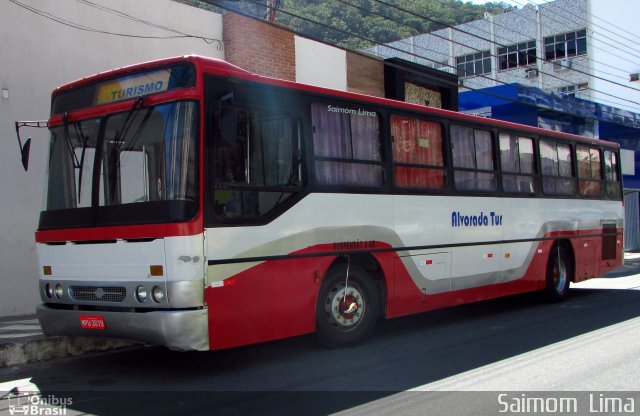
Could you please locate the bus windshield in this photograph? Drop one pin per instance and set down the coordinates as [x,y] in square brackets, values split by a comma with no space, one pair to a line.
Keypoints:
[145,159]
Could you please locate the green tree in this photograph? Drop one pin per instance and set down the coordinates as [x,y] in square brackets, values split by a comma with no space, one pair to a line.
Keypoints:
[358,24]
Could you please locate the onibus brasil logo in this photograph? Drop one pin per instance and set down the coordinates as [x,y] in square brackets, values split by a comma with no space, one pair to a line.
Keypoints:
[35,404]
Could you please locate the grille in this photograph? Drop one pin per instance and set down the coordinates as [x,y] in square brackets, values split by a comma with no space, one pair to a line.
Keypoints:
[100,294]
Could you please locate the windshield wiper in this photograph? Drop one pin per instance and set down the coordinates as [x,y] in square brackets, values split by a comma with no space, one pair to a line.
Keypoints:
[128,122]
[69,143]
[85,140]
[77,163]
[120,140]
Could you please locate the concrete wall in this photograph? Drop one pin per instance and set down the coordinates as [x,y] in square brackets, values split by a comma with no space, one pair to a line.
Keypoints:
[320,64]
[38,54]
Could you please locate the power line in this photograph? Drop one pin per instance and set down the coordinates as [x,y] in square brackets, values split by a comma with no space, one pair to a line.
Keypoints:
[537,58]
[625,77]
[78,26]
[568,20]
[306,19]
[449,40]
[627,45]
[478,50]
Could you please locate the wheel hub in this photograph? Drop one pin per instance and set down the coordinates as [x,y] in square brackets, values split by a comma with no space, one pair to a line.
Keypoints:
[345,306]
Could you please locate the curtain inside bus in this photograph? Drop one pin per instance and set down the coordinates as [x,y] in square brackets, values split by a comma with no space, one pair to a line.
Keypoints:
[417,150]
[347,146]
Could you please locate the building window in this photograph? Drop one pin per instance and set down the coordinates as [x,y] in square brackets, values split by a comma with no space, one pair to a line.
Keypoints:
[513,56]
[473,162]
[565,45]
[417,153]
[438,64]
[557,168]
[518,164]
[346,143]
[474,64]
[589,171]
[571,90]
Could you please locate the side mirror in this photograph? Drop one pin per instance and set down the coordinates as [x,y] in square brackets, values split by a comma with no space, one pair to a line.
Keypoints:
[24,153]
[25,148]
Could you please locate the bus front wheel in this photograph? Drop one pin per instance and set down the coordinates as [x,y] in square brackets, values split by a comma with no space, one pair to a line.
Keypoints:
[559,272]
[347,308]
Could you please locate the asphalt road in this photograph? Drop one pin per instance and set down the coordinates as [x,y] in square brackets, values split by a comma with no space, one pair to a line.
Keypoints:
[414,365]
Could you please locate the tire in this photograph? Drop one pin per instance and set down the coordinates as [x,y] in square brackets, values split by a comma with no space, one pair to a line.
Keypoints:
[559,274]
[341,323]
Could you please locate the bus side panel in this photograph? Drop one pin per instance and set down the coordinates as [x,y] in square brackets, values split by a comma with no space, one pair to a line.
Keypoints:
[587,249]
[591,257]
[612,255]
[271,300]
[409,298]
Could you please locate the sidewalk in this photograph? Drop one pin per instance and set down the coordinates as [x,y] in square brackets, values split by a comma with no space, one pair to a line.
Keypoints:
[22,340]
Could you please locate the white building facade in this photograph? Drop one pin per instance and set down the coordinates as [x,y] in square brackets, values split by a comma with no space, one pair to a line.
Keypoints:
[36,55]
[39,53]
[583,48]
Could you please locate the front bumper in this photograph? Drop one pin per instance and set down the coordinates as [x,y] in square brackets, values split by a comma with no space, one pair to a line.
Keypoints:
[176,329]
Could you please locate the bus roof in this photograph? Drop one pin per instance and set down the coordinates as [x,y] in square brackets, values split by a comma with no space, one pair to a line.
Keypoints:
[224,68]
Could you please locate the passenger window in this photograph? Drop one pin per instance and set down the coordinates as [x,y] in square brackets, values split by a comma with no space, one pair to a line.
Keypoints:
[473,162]
[346,144]
[417,153]
[611,174]
[589,171]
[557,168]
[518,164]
[259,168]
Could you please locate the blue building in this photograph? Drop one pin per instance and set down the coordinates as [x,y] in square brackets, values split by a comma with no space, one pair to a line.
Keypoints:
[562,112]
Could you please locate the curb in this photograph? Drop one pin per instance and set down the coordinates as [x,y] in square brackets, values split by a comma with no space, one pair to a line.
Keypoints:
[19,353]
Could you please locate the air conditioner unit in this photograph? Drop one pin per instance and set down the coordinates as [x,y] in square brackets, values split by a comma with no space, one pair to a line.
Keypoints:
[634,77]
[531,73]
[562,65]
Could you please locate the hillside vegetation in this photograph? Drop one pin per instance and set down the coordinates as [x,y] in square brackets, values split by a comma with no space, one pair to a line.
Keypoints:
[373,21]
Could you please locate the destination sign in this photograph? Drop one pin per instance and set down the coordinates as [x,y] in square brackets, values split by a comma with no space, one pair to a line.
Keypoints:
[125,87]
[134,86]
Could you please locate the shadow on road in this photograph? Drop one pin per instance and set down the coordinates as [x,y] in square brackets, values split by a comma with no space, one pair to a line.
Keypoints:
[297,375]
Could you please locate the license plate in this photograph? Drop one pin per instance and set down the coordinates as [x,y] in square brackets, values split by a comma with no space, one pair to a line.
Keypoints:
[92,322]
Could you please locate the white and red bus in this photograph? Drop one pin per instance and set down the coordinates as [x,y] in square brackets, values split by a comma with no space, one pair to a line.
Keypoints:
[194,205]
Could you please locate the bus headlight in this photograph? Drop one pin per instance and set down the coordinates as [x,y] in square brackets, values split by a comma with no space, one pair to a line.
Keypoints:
[141,294]
[59,291]
[48,291]
[157,294]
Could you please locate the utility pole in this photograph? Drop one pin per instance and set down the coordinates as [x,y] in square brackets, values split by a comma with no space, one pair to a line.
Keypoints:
[272,6]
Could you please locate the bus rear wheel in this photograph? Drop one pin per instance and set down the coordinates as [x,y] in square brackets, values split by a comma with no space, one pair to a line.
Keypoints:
[347,307]
[559,273]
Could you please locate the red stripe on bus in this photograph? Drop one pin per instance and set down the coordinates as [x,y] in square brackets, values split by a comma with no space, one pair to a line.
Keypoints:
[277,299]
[120,232]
